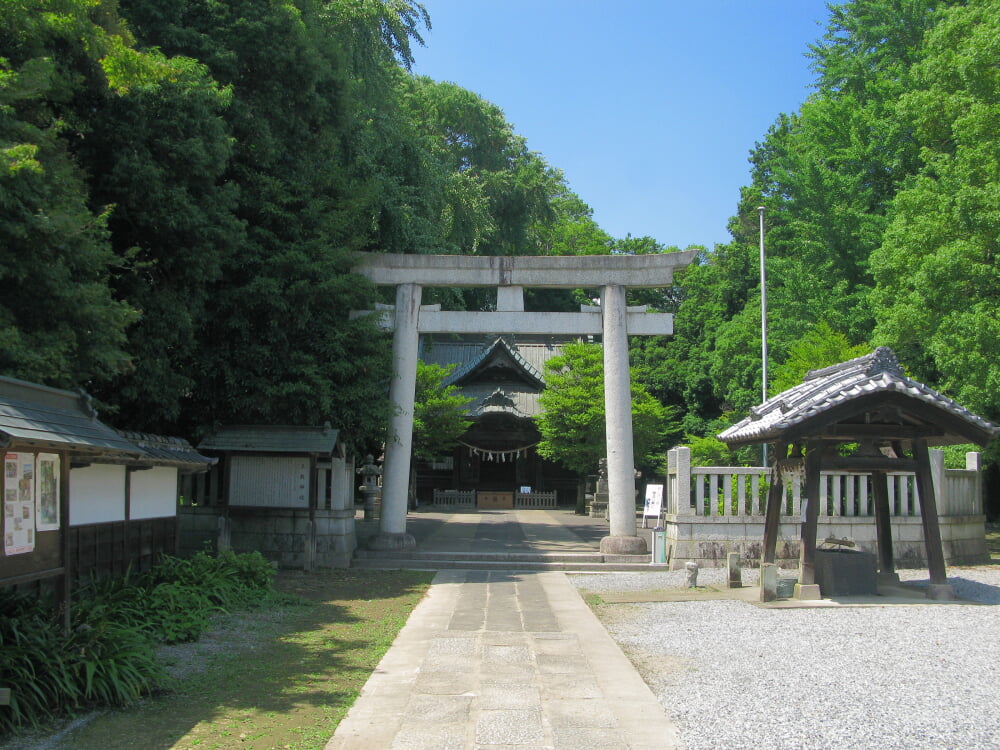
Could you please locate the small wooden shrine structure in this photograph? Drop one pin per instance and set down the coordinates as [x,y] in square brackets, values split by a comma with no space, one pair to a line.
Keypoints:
[866,401]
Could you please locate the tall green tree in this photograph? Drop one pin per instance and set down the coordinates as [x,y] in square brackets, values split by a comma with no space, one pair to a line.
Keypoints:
[938,268]
[59,321]
[275,342]
[572,422]
[439,413]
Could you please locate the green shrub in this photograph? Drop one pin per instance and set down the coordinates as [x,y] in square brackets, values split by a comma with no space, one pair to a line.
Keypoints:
[112,664]
[109,655]
[32,650]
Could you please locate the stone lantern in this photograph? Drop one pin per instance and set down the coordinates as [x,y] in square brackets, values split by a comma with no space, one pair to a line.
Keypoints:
[370,490]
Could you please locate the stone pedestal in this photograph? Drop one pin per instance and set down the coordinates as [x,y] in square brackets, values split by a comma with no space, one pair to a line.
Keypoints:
[808,592]
[372,504]
[768,582]
[390,542]
[624,545]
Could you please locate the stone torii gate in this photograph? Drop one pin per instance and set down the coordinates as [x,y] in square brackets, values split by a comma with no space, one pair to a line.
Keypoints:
[612,320]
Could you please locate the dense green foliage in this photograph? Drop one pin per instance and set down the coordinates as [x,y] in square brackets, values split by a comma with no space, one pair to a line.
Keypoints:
[572,422]
[108,657]
[182,186]
[439,413]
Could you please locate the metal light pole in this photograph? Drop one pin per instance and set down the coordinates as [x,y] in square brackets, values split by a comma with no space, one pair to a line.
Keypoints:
[763,324]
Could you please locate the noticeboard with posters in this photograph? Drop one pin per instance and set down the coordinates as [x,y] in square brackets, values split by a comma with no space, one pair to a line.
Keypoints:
[30,499]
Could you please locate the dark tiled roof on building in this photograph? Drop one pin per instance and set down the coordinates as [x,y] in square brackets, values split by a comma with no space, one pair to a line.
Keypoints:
[273,439]
[39,417]
[168,451]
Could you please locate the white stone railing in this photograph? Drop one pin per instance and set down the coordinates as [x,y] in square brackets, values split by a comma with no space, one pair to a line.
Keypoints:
[463,498]
[538,500]
[721,491]
[712,511]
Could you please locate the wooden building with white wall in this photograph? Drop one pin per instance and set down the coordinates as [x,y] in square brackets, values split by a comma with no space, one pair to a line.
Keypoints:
[285,491]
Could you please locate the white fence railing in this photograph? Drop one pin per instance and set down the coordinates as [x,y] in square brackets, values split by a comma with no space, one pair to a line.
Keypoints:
[720,491]
[461,498]
[535,500]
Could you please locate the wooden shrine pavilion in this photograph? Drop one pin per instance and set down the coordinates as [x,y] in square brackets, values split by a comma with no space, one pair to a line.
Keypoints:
[892,419]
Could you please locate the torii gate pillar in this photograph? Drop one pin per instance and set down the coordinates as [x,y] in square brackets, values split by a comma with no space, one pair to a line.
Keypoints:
[613,320]
[618,428]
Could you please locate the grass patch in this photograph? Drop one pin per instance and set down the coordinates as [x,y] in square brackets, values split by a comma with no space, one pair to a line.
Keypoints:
[593,600]
[285,676]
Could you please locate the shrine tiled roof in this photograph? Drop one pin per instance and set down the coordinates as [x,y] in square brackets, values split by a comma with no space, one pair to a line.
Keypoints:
[40,417]
[273,439]
[160,450]
[824,390]
[499,346]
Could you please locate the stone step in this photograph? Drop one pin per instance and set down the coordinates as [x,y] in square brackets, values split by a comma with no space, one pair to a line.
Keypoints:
[520,556]
[567,561]
[404,564]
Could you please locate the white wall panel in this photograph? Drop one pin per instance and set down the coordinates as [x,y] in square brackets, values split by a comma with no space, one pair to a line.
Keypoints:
[97,494]
[154,493]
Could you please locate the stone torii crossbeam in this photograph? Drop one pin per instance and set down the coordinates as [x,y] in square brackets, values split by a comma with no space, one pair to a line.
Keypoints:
[612,320]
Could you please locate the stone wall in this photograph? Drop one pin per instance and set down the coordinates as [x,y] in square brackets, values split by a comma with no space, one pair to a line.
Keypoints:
[707,541]
[286,536]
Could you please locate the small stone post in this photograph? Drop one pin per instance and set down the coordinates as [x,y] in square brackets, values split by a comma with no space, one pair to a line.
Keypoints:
[692,573]
[599,505]
[733,565]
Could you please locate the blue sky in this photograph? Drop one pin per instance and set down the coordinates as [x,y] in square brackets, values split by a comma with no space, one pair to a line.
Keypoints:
[649,107]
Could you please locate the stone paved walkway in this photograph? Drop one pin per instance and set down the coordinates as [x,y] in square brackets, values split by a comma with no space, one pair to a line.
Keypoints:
[492,660]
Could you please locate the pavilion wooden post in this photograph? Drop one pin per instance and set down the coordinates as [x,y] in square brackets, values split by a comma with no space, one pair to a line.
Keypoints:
[939,587]
[883,528]
[807,588]
[772,519]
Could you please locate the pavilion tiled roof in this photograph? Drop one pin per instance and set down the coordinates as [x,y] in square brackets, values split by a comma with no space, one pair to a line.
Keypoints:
[822,391]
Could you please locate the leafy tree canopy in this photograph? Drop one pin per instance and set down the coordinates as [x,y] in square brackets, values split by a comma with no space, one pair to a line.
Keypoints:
[572,423]
[439,413]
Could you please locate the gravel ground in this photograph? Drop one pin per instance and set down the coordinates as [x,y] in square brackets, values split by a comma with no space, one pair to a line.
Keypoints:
[734,676]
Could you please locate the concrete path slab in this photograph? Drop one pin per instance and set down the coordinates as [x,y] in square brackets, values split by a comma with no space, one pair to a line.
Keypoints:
[491,660]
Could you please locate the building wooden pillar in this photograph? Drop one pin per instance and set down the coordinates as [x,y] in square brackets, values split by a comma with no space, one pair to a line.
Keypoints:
[807,588]
[65,585]
[939,587]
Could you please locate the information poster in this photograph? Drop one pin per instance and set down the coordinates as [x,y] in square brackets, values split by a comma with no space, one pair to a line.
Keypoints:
[47,493]
[18,503]
[654,502]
